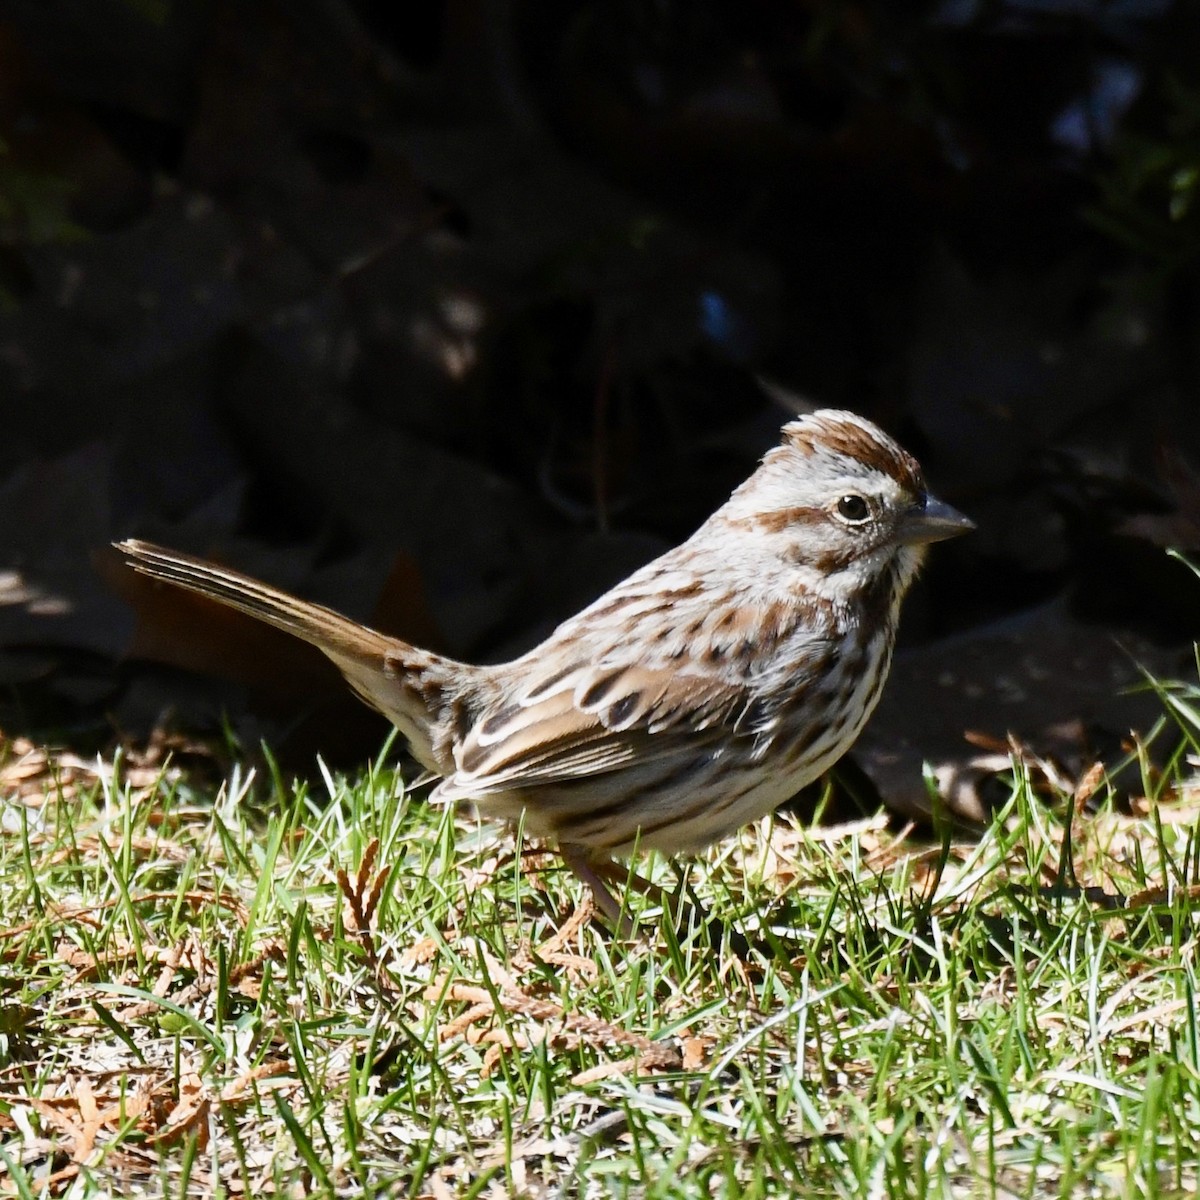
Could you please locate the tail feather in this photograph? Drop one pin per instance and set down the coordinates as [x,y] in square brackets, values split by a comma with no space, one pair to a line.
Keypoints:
[408,685]
[314,623]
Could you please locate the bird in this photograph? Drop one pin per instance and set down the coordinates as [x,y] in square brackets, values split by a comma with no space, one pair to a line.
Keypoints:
[690,699]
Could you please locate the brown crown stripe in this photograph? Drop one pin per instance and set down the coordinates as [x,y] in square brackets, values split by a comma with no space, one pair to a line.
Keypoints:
[845,437]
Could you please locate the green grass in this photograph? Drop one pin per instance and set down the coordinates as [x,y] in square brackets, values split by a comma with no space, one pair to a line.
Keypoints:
[346,991]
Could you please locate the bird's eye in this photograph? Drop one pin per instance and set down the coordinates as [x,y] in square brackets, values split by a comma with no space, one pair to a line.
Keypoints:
[853,509]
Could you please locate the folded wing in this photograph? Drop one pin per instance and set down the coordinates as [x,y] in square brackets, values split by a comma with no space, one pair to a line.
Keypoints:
[588,720]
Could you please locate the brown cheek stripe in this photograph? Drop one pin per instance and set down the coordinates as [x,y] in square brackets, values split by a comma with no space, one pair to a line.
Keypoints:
[789,518]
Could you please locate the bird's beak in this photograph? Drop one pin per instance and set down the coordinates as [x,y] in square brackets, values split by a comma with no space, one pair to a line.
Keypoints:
[932,520]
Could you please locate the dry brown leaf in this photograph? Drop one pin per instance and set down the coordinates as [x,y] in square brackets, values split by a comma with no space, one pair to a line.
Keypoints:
[189,1115]
[240,1088]
[1085,789]
[84,1125]
[420,952]
[695,1052]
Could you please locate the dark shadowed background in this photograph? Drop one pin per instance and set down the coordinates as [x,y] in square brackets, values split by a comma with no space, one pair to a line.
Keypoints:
[451,314]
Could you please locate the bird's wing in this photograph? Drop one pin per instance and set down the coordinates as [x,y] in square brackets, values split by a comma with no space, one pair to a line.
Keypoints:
[591,719]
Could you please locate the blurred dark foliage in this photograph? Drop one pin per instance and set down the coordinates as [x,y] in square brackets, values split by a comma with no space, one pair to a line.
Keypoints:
[499,297]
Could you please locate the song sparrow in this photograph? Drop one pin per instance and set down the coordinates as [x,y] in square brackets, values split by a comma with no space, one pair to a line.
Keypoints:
[694,697]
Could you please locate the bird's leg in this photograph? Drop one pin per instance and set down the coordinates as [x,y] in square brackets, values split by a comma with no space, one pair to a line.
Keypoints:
[593,872]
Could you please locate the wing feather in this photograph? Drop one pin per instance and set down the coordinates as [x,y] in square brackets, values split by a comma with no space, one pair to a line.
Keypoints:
[590,721]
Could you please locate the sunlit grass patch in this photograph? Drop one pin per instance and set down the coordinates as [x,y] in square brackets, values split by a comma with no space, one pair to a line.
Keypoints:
[343,990]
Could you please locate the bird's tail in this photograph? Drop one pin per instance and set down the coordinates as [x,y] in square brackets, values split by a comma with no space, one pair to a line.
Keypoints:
[408,685]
